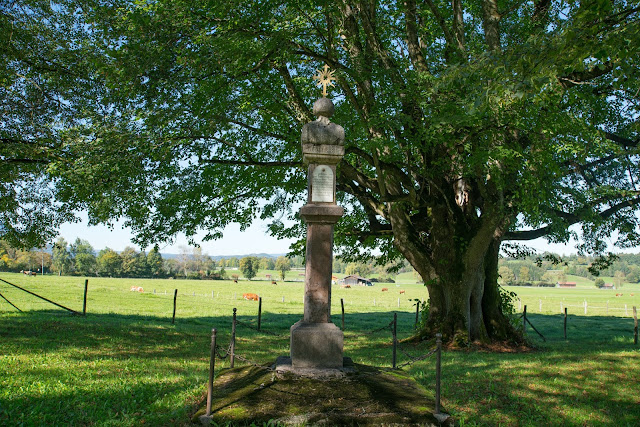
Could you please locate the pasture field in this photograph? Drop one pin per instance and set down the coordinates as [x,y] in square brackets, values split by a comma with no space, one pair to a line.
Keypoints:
[126,364]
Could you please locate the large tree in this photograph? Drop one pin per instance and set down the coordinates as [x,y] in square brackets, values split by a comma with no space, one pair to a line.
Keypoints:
[468,124]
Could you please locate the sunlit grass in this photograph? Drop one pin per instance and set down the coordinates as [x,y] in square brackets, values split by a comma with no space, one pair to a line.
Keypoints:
[126,364]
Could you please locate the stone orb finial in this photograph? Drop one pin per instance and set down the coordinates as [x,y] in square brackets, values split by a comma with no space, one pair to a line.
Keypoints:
[323,107]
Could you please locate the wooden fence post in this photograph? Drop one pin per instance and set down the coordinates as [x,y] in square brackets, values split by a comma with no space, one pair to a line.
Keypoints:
[175,297]
[212,365]
[84,303]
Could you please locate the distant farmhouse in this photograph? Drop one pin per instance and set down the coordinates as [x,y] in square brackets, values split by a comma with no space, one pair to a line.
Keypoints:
[566,284]
[354,280]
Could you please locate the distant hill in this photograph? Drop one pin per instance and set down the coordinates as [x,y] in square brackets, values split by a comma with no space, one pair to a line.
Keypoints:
[219,257]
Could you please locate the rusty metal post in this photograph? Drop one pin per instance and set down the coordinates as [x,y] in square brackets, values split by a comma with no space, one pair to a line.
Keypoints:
[438,370]
[84,303]
[259,312]
[395,339]
[212,365]
[233,338]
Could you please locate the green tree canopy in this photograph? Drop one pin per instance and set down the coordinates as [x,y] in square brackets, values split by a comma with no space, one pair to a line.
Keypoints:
[283,264]
[83,256]
[109,263]
[155,263]
[249,266]
[61,256]
[468,125]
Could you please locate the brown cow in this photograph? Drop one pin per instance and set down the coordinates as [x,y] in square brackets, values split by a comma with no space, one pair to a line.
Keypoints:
[385,289]
[345,286]
[273,282]
[401,292]
[250,297]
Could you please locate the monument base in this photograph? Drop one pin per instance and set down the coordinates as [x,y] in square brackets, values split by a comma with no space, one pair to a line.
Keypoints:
[316,345]
[283,368]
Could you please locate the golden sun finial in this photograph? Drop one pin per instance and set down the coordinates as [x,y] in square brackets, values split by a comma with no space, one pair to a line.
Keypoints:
[325,78]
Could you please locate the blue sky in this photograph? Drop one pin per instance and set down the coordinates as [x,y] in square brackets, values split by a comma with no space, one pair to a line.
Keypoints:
[253,240]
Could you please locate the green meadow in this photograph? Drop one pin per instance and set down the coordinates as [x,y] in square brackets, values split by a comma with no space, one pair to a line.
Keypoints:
[125,363]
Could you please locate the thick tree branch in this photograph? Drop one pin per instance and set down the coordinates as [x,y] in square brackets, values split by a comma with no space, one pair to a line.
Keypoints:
[298,103]
[413,44]
[570,219]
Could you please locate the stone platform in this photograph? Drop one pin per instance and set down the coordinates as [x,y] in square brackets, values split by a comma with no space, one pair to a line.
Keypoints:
[283,367]
[366,397]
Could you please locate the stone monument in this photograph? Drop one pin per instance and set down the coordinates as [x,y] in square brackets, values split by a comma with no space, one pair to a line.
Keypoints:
[316,343]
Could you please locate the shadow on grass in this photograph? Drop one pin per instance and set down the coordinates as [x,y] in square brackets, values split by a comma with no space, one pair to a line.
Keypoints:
[61,369]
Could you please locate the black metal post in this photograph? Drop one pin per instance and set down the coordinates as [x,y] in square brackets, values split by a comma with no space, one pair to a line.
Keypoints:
[233,338]
[524,320]
[84,304]
[417,313]
[635,328]
[342,305]
[175,297]
[212,366]
[395,338]
[438,370]
[259,312]
[565,323]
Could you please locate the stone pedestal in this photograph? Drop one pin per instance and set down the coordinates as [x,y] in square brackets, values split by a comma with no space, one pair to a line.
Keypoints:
[316,345]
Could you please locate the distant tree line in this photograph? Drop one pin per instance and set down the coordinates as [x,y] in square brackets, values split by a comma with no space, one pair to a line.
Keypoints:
[550,270]
[80,258]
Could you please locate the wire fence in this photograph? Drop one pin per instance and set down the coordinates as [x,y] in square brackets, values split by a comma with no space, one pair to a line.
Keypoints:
[220,353]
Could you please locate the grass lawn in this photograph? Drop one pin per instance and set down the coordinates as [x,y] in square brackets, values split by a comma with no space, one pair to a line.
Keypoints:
[126,364]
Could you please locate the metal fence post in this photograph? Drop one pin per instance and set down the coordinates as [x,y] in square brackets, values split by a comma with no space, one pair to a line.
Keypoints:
[233,338]
[565,323]
[212,365]
[635,327]
[438,370]
[342,305]
[259,312]
[175,297]
[395,339]
[417,313]
[84,303]
[524,319]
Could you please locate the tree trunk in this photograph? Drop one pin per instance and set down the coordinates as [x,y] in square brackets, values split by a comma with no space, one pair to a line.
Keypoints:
[460,271]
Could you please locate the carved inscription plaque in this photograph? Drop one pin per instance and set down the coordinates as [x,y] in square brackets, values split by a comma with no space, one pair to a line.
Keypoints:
[322,184]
